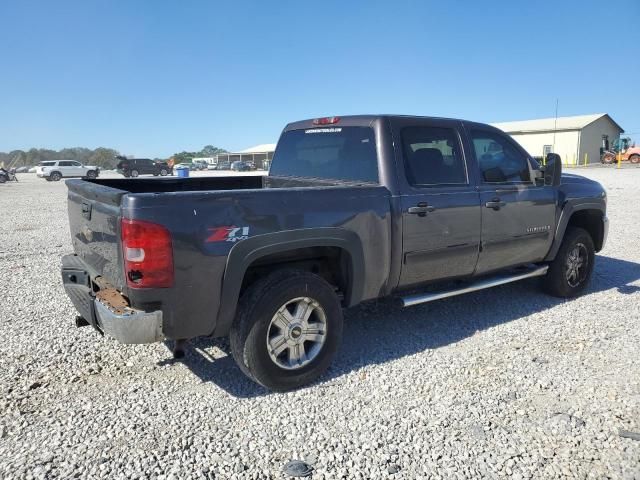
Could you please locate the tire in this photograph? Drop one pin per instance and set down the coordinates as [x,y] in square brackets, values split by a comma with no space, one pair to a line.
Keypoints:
[3,179]
[164,172]
[92,174]
[55,176]
[634,158]
[559,282]
[134,173]
[608,159]
[257,321]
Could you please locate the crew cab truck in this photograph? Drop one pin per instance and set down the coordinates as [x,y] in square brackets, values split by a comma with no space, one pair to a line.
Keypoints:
[353,209]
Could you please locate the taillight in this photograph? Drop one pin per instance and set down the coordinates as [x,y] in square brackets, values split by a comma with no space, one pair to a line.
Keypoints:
[148,254]
[326,120]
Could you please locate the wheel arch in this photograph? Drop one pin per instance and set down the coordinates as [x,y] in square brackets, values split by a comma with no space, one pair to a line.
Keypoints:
[284,248]
[588,216]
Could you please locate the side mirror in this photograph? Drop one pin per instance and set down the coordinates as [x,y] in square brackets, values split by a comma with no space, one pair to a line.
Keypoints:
[552,169]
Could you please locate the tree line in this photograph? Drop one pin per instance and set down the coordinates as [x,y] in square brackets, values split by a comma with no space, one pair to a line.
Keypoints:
[104,158]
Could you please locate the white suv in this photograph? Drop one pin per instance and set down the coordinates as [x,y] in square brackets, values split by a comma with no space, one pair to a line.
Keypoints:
[54,170]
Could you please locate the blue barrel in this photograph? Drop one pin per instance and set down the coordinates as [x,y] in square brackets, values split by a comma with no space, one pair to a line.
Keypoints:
[183,172]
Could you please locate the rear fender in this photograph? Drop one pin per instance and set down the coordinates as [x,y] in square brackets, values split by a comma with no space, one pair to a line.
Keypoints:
[246,252]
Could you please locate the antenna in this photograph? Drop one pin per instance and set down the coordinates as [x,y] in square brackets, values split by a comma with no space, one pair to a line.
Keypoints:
[555,127]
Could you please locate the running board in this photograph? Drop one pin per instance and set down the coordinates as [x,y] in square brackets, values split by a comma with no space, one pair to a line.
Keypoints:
[489,282]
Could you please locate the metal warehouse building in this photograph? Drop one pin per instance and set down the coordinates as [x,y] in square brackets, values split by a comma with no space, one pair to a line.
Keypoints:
[576,139]
[260,155]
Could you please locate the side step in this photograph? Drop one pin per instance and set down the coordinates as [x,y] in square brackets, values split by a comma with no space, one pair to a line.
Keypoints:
[489,282]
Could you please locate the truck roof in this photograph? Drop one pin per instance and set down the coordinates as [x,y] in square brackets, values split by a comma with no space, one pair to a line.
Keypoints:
[367,120]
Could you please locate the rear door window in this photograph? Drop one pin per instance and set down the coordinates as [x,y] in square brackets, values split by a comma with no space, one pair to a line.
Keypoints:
[433,156]
[340,153]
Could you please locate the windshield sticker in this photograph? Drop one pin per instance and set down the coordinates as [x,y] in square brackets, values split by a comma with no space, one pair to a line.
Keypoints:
[324,130]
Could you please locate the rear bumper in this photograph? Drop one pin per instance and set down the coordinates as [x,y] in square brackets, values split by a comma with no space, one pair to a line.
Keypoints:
[106,309]
[130,326]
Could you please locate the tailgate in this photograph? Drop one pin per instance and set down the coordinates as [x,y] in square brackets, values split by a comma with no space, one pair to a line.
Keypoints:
[94,217]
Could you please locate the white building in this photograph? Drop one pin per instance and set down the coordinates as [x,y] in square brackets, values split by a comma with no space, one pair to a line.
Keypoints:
[576,139]
[260,155]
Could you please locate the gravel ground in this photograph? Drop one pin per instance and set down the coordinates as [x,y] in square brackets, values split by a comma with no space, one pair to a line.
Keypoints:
[502,383]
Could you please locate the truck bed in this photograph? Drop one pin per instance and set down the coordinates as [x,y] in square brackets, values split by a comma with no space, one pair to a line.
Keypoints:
[205,184]
[196,210]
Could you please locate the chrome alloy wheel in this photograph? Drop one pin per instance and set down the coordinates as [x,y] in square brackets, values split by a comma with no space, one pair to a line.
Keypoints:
[296,333]
[576,267]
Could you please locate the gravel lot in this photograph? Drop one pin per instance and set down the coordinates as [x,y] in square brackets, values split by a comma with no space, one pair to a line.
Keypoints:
[502,383]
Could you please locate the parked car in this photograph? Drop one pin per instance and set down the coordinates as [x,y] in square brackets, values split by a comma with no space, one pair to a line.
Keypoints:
[22,169]
[199,165]
[212,166]
[240,166]
[133,167]
[223,165]
[55,170]
[353,209]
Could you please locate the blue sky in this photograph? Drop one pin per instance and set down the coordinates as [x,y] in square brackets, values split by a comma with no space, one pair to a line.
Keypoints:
[151,78]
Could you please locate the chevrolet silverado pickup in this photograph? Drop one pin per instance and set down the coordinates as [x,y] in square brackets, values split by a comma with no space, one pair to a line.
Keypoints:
[354,208]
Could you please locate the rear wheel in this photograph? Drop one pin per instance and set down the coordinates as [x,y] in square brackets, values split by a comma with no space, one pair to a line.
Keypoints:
[570,272]
[55,176]
[634,158]
[164,172]
[3,179]
[134,173]
[287,330]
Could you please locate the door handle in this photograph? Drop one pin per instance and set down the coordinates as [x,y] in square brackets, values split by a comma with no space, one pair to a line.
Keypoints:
[495,203]
[421,209]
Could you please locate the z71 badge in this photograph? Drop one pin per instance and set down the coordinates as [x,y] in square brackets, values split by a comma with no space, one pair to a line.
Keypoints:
[227,234]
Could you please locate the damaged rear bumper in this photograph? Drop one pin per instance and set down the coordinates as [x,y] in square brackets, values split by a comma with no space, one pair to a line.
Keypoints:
[105,308]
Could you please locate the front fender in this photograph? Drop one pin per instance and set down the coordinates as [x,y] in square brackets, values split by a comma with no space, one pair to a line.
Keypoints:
[568,209]
[244,253]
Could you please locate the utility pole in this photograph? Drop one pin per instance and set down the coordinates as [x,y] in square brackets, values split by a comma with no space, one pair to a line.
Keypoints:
[555,127]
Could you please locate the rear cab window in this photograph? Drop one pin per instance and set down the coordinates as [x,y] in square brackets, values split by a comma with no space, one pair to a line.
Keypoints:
[46,164]
[337,153]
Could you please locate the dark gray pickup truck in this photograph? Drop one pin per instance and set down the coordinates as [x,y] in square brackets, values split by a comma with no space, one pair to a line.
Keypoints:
[353,209]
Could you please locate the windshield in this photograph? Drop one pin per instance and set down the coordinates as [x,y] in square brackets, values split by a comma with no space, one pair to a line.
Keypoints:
[341,153]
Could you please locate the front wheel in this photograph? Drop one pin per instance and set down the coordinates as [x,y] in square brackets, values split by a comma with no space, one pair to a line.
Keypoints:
[92,174]
[287,330]
[134,173]
[164,172]
[608,158]
[569,273]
